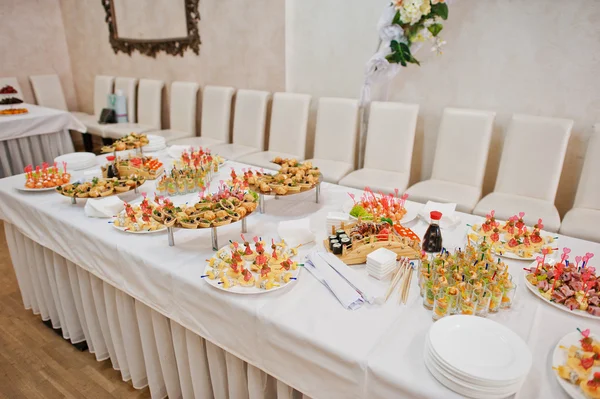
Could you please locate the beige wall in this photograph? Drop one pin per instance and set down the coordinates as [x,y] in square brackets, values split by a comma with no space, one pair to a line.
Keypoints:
[32,42]
[242,46]
[536,57]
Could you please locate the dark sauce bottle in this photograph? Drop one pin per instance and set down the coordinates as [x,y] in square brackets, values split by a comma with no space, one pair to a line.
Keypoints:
[432,240]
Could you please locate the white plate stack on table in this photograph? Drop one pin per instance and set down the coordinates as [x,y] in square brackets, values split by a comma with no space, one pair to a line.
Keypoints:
[155,143]
[77,160]
[381,263]
[476,357]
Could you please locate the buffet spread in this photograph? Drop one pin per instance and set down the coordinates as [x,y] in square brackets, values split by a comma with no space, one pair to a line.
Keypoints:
[478,278]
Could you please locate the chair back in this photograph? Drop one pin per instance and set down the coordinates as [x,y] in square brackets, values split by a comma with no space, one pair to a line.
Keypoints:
[250,118]
[336,130]
[390,136]
[216,112]
[533,155]
[182,115]
[588,191]
[289,121]
[103,86]
[462,147]
[128,87]
[48,91]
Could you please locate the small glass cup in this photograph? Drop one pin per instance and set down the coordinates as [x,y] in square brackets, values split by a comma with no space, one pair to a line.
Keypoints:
[429,297]
[171,188]
[441,305]
[191,185]
[453,299]
[483,303]
[467,304]
[181,188]
[496,299]
[508,296]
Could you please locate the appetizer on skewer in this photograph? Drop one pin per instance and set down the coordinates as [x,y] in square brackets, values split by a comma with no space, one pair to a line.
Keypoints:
[373,206]
[581,365]
[138,218]
[129,142]
[46,177]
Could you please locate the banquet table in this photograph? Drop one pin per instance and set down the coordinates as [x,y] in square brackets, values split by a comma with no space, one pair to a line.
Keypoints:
[38,136]
[143,304]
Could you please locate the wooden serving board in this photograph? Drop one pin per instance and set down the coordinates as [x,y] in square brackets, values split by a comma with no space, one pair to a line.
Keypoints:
[402,246]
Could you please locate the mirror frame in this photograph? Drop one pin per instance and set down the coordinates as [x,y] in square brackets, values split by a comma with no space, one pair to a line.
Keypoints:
[174,46]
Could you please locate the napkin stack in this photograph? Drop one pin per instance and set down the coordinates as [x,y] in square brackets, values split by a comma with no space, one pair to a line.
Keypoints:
[103,208]
[351,289]
[381,263]
[296,232]
[335,219]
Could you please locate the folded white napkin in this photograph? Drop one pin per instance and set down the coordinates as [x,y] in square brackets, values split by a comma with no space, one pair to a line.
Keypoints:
[295,232]
[320,269]
[355,280]
[103,208]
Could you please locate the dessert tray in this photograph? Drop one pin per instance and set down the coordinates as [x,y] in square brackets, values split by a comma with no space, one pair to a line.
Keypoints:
[512,239]
[568,286]
[245,268]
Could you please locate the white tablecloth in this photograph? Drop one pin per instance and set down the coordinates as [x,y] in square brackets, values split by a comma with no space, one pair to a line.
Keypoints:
[33,138]
[300,335]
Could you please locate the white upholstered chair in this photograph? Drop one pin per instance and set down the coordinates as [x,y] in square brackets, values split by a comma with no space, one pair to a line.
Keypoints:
[460,158]
[249,125]
[287,137]
[10,81]
[182,112]
[149,107]
[103,86]
[583,220]
[389,148]
[48,91]
[216,116]
[335,137]
[532,159]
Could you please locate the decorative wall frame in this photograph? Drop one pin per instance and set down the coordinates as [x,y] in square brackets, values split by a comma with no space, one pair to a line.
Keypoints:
[150,47]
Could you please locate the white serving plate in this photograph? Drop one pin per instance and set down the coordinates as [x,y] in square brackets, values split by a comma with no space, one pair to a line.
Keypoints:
[559,357]
[77,160]
[537,293]
[35,189]
[248,290]
[495,352]
[124,229]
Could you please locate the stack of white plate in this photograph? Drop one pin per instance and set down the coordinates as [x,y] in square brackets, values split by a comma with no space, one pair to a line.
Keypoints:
[77,160]
[476,357]
[380,263]
[155,143]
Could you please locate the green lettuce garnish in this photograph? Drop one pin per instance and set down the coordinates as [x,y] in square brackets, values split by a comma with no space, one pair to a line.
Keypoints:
[359,211]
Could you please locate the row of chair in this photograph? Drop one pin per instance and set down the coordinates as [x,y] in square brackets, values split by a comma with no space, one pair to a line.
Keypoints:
[528,176]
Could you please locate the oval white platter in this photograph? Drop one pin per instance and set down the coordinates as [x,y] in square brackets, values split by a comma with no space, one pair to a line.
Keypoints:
[536,292]
[249,290]
[39,190]
[559,358]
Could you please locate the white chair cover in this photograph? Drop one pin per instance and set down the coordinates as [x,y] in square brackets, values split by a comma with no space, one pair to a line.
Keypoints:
[128,86]
[287,137]
[248,126]
[389,148]
[529,172]
[15,84]
[583,220]
[216,114]
[149,109]
[103,86]
[460,159]
[48,91]
[182,112]
[335,137]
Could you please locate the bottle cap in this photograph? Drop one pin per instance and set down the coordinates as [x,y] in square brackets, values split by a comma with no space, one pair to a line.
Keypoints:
[435,215]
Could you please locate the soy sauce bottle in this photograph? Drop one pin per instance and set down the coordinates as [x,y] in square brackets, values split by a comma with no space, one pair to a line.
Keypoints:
[432,240]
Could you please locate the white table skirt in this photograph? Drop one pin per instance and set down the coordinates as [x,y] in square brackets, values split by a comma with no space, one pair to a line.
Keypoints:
[16,154]
[300,335]
[146,347]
